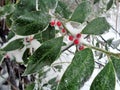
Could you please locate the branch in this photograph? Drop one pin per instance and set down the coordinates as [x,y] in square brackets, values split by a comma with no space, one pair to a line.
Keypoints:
[67,47]
[11,74]
[102,50]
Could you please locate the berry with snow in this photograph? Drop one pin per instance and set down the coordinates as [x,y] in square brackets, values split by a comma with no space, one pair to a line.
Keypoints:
[71,38]
[78,35]
[59,23]
[81,47]
[52,23]
[76,41]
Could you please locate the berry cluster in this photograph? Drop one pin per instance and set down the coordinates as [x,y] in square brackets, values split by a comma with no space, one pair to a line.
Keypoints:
[58,24]
[76,40]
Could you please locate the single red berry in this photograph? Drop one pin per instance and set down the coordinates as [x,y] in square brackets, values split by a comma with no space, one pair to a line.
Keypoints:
[81,47]
[71,38]
[52,23]
[76,41]
[78,35]
[63,30]
[59,23]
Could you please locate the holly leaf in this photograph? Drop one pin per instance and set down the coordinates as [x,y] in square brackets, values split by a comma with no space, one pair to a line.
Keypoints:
[81,12]
[46,5]
[105,80]
[109,5]
[25,56]
[13,45]
[116,64]
[48,34]
[78,72]
[6,10]
[63,10]
[31,23]
[96,1]
[30,86]
[96,27]
[11,34]
[45,55]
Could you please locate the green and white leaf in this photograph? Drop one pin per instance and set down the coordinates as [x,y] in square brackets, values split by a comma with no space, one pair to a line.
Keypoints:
[116,64]
[45,55]
[63,10]
[30,86]
[48,34]
[46,5]
[82,12]
[97,26]
[105,80]
[31,23]
[78,72]
[109,5]
[13,45]
[6,10]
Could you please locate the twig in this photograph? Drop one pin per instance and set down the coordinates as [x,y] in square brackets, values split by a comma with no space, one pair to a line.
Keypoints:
[107,43]
[77,2]
[67,47]
[11,74]
[8,81]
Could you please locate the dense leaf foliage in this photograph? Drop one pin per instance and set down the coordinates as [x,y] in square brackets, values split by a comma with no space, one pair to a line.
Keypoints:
[46,22]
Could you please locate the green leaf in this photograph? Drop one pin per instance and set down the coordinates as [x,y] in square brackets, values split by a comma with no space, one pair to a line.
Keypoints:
[63,10]
[30,86]
[105,80]
[30,23]
[26,55]
[6,10]
[45,5]
[45,55]
[109,5]
[78,71]
[13,45]
[11,34]
[24,7]
[48,34]
[116,64]
[96,1]
[81,12]
[97,26]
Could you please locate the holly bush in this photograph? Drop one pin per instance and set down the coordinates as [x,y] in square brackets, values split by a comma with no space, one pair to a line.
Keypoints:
[47,21]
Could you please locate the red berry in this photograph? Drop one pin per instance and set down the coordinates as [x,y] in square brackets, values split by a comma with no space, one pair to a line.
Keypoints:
[78,35]
[59,23]
[81,47]
[76,41]
[63,30]
[52,23]
[71,38]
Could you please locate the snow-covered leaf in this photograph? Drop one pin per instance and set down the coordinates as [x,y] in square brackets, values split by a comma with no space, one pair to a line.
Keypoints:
[11,34]
[105,80]
[48,34]
[97,26]
[30,23]
[78,72]
[30,86]
[96,1]
[81,12]
[25,56]
[13,45]
[45,5]
[6,10]
[109,5]
[116,64]
[45,55]
[63,10]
